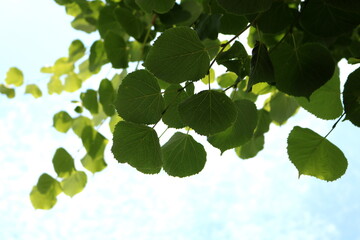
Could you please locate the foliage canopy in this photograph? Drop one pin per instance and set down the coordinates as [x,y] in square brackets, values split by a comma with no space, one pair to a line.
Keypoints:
[168,46]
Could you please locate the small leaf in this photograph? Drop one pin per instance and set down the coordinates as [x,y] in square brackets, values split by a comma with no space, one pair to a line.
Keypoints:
[227,79]
[325,102]
[235,60]
[183,156]
[9,92]
[107,96]
[62,121]
[299,71]
[74,184]
[33,90]
[116,50]
[46,183]
[80,123]
[90,102]
[209,78]
[173,96]
[208,112]
[251,148]
[62,66]
[46,198]
[263,123]
[55,85]
[351,97]
[314,155]
[159,6]
[138,145]
[63,163]
[76,50]
[177,56]
[242,129]
[243,7]
[97,56]
[15,77]
[139,98]
[261,68]
[72,82]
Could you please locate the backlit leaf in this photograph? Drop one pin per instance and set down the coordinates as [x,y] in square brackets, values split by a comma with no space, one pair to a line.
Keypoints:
[72,82]
[251,148]
[116,50]
[208,112]
[14,76]
[139,98]
[62,66]
[107,96]
[76,50]
[80,123]
[34,90]
[282,107]
[209,78]
[159,6]
[55,85]
[138,145]
[9,92]
[74,183]
[325,102]
[107,22]
[227,79]
[90,102]
[243,7]
[43,195]
[63,163]
[301,70]
[46,183]
[97,56]
[314,155]
[242,129]
[351,97]
[62,121]
[173,96]
[177,56]
[183,156]
[131,24]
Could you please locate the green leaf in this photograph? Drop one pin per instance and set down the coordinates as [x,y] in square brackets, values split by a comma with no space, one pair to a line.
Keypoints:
[97,56]
[62,121]
[208,112]
[84,71]
[9,92]
[107,22]
[242,129]
[282,107]
[138,145]
[80,123]
[212,47]
[173,96]
[46,198]
[55,85]
[251,148]
[325,103]
[208,25]
[235,60]
[243,7]
[139,98]
[62,66]
[183,156]
[321,19]
[76,50]
[263,123]
[232,24]
[130,23]
[314,155]
[159,6]
[72,82]
[261,68]
[226,80]
[301,70]
[74,184]
[90,102]
[116,50]
[241,93]
[14,76]
[107,96]
[177,56]
[34,90]
[63,163]
[351,97]
[209,78]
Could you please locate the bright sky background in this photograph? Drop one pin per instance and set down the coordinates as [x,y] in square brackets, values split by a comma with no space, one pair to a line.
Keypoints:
[261,198]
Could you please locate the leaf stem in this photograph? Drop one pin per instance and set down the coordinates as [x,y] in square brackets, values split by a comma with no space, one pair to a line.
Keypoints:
[335,124]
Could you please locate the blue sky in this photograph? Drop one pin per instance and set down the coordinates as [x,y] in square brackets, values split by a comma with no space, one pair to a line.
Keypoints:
[261,198]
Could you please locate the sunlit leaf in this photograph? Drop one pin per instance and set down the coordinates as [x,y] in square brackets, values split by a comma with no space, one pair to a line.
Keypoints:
[227,79]
[76,50]
[43,195]
[62,121]
[80,123]
[55,85]
[183,156]
[314,155]
[63,163]
[34,90]
[282,107]
[90,102]
[177,56]
[14,76]
[72,82]
[251,148]
[74,183]
[62,66]
[209,78]
[138,145]
[9,92]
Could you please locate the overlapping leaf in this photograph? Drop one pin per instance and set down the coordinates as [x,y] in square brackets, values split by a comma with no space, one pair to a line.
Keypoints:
[116,50]
[159,6]
[62,121]
[351,97]
[173,96]
[243,7]
[43,195]
[63,163]
[74,183]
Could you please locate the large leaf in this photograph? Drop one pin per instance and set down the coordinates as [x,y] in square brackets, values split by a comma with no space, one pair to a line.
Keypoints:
[15,77]
[314,155]
[116,50]
[242,129]
[107,22]
[261,68]
[208,112]
[282,107]
[131,24]
[235,60]
[351,97]
[159,6]
[299,71]
[74,183]
[251,148]
[232,24]
[139,98]
[63,163]
[243,7]
[107,96]
[173,96]
[138,145]
[62,121]
[325,102]
[183,156]
[178,55]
